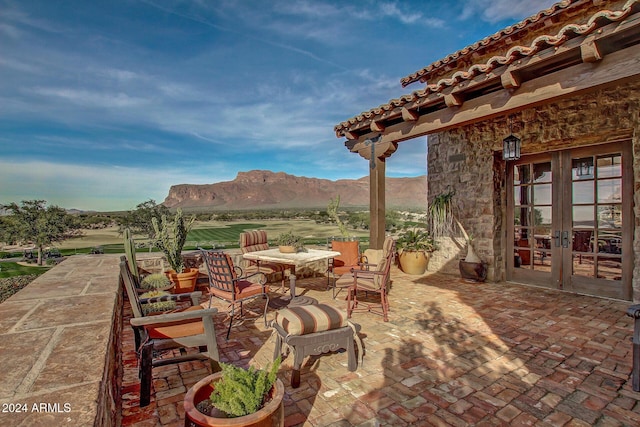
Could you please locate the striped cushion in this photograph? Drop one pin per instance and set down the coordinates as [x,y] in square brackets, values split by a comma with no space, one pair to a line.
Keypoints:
[251,241]
[307,319]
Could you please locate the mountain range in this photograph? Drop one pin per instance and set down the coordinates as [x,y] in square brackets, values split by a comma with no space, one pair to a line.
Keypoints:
[263,189]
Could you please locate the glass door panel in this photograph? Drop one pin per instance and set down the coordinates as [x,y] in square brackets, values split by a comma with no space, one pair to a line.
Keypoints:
[570,214]
[532,193]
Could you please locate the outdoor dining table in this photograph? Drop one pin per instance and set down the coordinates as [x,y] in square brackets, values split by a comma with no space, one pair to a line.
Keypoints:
[293,260]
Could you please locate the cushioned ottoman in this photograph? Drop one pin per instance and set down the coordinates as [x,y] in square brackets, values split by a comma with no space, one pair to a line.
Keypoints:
[312,330]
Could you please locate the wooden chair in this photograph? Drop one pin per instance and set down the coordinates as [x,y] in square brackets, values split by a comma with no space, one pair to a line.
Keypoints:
[376,279]
[350,258]
[226,282]
[256,240]
[180,329]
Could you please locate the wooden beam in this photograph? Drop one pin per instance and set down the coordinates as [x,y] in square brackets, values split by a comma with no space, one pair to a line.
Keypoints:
[409,115]
[589,50]
[350,135]
[376,126]
[453,100]
[615,68]
[510,79]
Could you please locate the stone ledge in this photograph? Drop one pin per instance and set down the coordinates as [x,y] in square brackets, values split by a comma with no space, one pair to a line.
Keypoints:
[61,346]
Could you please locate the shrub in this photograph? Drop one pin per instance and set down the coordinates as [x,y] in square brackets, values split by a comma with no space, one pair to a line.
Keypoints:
[243,391]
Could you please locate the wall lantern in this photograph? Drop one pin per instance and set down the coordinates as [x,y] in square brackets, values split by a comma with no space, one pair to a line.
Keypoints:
[511,145]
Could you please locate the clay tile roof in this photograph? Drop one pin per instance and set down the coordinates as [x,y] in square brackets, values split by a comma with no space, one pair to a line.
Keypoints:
[425,73]
[567,32]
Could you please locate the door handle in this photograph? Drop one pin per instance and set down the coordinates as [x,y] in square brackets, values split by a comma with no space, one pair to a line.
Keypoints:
[556,238]
[565,239]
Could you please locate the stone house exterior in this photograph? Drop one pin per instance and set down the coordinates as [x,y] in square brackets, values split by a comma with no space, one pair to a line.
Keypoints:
[566,82]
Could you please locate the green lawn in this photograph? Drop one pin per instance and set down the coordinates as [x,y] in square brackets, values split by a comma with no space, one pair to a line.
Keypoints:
[11,269]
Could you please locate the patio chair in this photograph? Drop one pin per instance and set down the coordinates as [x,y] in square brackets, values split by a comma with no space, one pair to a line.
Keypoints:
[375,279]
[179,329]
[256,240]
[349,258]
[227,282]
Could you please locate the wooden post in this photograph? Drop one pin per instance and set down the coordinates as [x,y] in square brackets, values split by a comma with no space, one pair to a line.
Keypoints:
[377,203]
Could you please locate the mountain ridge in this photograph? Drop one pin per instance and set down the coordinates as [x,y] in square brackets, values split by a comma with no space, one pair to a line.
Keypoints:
[263,189]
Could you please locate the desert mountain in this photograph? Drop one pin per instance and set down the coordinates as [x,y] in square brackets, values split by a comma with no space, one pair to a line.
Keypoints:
[260,189]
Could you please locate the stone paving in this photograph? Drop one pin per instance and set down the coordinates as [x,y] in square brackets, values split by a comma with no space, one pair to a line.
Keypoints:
[452,354]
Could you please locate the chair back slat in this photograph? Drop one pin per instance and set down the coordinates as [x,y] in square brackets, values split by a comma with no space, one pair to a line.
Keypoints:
[129,285]
[384,265]
[222,275]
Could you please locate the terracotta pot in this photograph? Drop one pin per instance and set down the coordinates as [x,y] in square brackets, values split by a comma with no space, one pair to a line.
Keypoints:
[414,262]
[473,271]
[183,282]
[285,249]
[271,415]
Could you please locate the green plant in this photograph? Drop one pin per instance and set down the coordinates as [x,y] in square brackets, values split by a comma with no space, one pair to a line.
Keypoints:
[130,252]
[155,307]
[155,281]
[290,239]
[443,220]
[170,238]
[414,239]
[332,211]
[243,391]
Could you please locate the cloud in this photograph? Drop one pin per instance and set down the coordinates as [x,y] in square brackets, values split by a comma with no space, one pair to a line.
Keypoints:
[94,186]
[494,11]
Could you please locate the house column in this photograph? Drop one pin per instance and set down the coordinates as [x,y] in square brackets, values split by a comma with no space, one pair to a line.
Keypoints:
[377,205]
[376,150]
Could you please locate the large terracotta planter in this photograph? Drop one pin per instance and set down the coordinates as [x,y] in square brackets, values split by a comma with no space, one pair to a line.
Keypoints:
[183,282]
[271,415]
[414,262]
[286,249]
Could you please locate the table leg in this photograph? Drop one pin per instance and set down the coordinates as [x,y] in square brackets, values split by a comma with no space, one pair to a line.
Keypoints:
[292,281]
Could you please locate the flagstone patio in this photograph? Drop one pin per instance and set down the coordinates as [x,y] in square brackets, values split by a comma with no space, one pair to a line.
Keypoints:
[453,353]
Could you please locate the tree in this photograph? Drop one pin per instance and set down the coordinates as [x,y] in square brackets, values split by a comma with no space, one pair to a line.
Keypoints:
[140,220]
[39,224]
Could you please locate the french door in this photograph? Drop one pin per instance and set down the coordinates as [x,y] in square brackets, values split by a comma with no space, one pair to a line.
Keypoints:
[570,215]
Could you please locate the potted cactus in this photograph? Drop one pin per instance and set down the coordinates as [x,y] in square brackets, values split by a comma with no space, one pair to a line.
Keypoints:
[170,238]
[156,306]
[156,282]
[236,397]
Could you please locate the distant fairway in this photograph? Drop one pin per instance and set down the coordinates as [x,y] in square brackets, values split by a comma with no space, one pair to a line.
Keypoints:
[212,233]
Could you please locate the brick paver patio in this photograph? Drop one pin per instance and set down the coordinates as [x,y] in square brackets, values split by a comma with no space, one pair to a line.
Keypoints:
[453,353]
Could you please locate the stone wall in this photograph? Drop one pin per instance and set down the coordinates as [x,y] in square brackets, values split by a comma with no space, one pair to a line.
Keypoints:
[468,160]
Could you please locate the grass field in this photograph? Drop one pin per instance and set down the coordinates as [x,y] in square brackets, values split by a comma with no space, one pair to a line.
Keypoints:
[11,269]
[209,233]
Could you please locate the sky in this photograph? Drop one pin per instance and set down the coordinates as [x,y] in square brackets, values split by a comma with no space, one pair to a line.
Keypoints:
[105,104]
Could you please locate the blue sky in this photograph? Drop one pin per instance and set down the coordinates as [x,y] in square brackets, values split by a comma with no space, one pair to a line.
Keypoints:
[105,104]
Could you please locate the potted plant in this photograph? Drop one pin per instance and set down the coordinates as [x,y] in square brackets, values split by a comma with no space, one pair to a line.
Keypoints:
[236,397]
[414,250]
[443,220]
[156,307]
[156,282]
[290,243]
[170,238]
